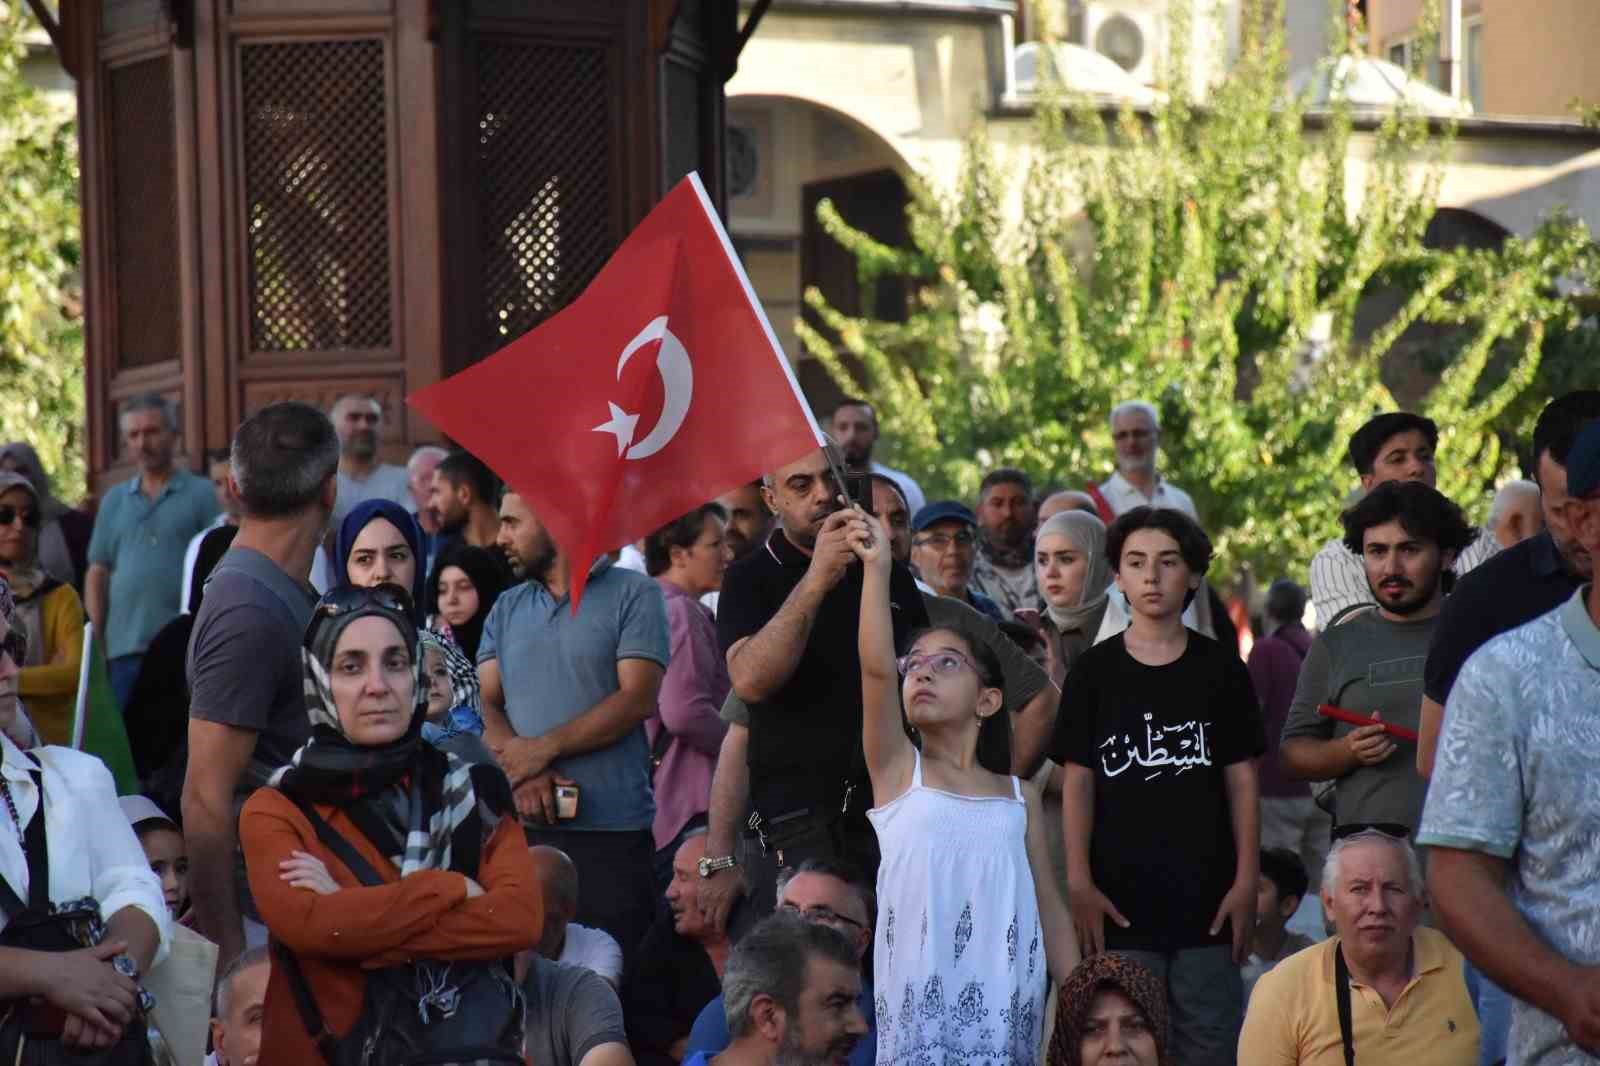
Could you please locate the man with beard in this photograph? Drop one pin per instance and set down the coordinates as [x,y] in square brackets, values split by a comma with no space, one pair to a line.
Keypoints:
[749,521]
[791,991]
[564,701]
[1003,570]
[358,419]
[140,533]
[855,429]
[1407,535]
[1136,435]
[787,623]
[1394,446]
[464,492]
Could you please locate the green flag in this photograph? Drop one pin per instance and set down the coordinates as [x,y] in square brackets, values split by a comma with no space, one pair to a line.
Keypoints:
[100,730]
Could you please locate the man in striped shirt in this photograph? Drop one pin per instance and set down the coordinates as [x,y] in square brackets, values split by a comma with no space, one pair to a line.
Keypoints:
[1395,446]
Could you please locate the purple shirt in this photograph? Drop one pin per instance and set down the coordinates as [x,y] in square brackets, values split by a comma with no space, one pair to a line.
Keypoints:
[692,692]
[1274,669]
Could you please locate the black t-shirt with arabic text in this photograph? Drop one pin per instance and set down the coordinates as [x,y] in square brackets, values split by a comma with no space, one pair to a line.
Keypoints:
[1157,738]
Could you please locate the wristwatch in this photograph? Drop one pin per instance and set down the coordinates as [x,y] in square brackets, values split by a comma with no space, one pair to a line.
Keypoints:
[708,867]
[125,965]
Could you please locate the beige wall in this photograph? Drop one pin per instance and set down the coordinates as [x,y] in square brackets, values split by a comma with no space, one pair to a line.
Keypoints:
[1539,54]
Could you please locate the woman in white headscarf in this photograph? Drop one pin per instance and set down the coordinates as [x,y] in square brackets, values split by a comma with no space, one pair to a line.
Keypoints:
[1069,557]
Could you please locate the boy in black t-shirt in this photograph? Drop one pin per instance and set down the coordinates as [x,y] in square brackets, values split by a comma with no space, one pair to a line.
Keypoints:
[1160,796]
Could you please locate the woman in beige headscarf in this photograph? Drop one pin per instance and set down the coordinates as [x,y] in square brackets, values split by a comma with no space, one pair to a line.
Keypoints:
[1069,557]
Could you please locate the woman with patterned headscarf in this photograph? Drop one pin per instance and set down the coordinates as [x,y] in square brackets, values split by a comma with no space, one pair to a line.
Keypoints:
[442,834]
[1110,1010]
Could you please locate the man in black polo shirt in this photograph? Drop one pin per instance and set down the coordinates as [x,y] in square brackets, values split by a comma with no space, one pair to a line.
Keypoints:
[787,621]
[1519,584]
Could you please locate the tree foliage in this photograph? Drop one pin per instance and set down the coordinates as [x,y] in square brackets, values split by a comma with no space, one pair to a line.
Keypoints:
[1209,259]
[41,327]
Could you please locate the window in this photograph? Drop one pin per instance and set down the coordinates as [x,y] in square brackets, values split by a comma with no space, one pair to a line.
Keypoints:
[1472,76]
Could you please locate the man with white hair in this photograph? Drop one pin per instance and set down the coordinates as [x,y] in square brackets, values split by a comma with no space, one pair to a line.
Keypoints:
[1515,514]
[1383,989]
[1136,433]
[358,419]
[419,482]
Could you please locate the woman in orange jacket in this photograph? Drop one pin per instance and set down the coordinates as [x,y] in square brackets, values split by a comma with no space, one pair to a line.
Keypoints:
[458,880]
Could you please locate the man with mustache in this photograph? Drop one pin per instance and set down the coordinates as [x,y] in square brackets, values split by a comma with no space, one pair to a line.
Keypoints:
[1407,536]
[787,623]
[1393,446]
[1003,568]
[358,419]
[140,533]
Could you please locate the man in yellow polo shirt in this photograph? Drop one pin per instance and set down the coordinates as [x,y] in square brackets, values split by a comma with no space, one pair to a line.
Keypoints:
[1407,1000]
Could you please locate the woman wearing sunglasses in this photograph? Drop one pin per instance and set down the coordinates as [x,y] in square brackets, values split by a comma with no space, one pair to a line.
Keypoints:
[49,611]
[457,882]
[971,923]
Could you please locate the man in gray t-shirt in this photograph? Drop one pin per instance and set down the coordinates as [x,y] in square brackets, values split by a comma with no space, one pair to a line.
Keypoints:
[574,1017]
[1407,535]
[246,708]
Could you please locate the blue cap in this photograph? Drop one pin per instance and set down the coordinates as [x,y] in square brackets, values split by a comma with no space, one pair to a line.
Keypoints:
[1583,462]
[942,511]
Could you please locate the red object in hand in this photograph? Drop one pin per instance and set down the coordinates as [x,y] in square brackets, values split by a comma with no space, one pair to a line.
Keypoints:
[1399,732]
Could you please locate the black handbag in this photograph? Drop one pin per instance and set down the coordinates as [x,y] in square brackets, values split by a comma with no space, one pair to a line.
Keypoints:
[427,1013]
[30,1031]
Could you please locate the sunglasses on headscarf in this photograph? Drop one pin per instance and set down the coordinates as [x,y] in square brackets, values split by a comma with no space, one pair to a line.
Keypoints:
[347,599]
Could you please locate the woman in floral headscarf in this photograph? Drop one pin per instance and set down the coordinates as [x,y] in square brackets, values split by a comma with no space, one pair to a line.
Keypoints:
[458,881]
[1110,1009]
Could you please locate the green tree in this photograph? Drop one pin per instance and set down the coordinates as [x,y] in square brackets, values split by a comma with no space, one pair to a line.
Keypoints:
[41,326]
[1205,258]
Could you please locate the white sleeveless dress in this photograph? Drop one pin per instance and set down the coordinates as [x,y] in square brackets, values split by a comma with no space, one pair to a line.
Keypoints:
[959,964]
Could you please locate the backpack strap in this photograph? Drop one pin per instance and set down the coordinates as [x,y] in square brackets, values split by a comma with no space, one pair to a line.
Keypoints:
[342,849]
[1341,989]
[306,1003]
[1101,504]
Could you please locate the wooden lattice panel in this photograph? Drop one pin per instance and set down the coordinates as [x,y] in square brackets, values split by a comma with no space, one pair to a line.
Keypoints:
[544,175]
[144,212]
[316,160]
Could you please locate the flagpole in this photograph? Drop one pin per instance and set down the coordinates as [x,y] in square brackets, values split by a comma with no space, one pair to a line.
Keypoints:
[761,313]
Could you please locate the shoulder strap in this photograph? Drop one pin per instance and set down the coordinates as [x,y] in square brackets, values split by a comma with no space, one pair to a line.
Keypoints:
[342,849]
[1344,613]
[1341,989]
[306,1003]
[1101,504]
[35,849]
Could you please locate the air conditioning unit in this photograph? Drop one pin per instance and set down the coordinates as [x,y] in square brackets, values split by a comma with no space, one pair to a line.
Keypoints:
[1126,32]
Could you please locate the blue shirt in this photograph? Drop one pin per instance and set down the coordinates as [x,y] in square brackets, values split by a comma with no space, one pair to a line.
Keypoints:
[142,541]
[710,1033]
[554,667]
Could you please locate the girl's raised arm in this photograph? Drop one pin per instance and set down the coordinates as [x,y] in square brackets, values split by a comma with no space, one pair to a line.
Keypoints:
[883,737]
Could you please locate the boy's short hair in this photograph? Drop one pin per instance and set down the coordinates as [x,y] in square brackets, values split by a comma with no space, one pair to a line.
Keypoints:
[1193,544]
[1285,870]
[1367,442]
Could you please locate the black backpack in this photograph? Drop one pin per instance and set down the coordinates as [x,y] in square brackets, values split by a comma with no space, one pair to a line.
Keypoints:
[425,1013]
[30,1034]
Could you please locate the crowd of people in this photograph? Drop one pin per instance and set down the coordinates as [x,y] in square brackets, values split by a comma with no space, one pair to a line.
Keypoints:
[807,778]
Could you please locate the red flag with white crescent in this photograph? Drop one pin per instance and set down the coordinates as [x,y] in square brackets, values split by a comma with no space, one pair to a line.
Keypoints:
[658,389]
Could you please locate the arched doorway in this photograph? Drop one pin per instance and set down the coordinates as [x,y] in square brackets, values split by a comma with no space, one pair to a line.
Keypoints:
[785,156]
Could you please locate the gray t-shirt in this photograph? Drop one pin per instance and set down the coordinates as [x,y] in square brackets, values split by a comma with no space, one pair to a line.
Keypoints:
[244,656]
[1514,779]
[1364,664]
[554,667]
[386,482]
[571,1011]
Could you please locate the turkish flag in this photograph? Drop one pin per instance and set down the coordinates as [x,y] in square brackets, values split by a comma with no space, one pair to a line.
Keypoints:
[658,389]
